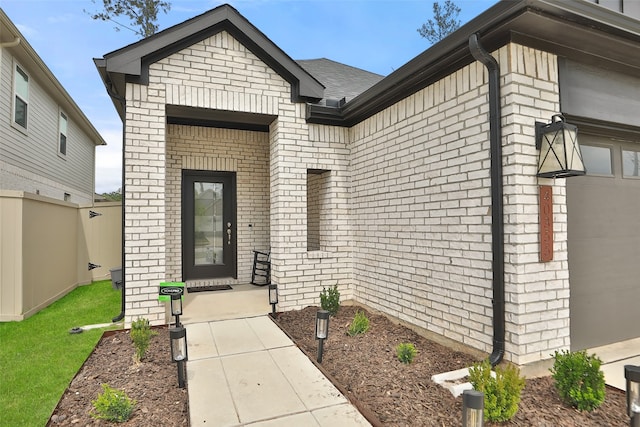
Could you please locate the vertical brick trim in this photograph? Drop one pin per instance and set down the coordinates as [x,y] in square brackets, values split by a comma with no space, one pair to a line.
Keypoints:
[537,297]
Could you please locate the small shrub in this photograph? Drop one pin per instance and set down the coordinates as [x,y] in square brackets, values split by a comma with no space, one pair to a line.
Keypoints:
[330,300]
[579,379]
[501,393]
[112,405]
[141,334]
[406,352]
[359,325]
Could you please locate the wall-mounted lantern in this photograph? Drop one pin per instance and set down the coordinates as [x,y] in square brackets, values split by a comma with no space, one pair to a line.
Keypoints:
[273,297]
[560,154]
[322,330]
[632,375]
[178,337]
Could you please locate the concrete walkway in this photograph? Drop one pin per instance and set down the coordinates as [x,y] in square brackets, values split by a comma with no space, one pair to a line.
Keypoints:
[244,371]
[247,372]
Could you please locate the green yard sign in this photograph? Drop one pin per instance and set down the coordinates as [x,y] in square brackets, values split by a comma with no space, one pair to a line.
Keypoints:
[167,289]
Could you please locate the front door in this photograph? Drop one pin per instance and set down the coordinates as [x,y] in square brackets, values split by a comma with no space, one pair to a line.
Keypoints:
[208,225]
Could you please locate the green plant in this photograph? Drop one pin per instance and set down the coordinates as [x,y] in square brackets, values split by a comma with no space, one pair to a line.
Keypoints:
[406,352]
[141,334]
[112,405]
[501,392]
[579,379]
[330,300]
[359,325]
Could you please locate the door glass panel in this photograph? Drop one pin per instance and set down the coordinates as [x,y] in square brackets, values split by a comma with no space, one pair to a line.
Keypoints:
[208,221]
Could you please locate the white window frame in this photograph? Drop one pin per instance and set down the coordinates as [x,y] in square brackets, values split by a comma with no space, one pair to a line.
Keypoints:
[63,132]
[19,126]
[637,155]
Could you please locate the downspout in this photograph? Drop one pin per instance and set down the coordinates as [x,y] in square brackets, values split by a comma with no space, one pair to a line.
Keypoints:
[122,101]
[497,210]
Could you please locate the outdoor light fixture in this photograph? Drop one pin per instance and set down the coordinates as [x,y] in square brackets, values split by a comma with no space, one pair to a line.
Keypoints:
[322,330]
[176,307]
[632,375]
[178,337]
[560,154]
[273,297]
[472,408]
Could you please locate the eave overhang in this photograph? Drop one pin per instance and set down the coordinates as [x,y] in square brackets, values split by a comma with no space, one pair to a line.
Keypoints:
[131,63]
[575,29]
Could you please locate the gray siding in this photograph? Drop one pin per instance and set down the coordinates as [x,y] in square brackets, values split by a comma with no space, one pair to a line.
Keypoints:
[35,154]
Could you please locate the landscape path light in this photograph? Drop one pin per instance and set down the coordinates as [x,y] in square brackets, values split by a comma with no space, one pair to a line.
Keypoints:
[560,154]
[176,307]
[322,330]
[273,297]
[179,354]
[632,375]
[472,408]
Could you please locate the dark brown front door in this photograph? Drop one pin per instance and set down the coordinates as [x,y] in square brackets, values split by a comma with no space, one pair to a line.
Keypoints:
[208,225]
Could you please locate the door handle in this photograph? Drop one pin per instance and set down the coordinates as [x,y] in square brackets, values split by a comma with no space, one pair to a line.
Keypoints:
[228,233]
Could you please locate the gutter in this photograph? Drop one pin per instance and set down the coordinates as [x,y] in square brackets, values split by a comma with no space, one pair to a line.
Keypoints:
[497,209]
[123,102]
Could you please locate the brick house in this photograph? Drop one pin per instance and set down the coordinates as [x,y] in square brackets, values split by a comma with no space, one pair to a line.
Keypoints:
[385,186]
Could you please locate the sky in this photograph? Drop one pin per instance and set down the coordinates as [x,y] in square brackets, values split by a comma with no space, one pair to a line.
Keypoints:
[374,35]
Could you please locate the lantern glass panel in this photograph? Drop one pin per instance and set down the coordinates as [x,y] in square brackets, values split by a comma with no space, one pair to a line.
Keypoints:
[273,294]
[178,338]
[633,394]
[322,324]
[176,305]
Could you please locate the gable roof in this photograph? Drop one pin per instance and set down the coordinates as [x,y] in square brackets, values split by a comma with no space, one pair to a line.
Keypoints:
[22,50]
[576,29]
[131,63]
[340,80]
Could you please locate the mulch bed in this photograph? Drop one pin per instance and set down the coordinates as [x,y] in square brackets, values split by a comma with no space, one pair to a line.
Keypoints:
[366,368]
[153,384]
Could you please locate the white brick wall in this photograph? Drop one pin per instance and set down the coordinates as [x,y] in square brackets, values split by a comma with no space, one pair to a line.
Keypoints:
[405,222]
[421,210]
[219,73]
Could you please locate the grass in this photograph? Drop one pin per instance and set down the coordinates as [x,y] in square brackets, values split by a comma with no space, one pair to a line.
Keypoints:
[39,357]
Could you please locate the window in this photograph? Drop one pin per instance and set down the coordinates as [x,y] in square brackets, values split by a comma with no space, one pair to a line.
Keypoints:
[21,97]
[62,134]
[630,163]
[597,160]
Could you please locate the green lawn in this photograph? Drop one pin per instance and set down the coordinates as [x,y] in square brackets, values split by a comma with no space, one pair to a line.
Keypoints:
[39,357]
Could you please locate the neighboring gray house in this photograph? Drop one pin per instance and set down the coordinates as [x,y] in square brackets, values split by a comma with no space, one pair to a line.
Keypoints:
[47,145]
[392,194]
